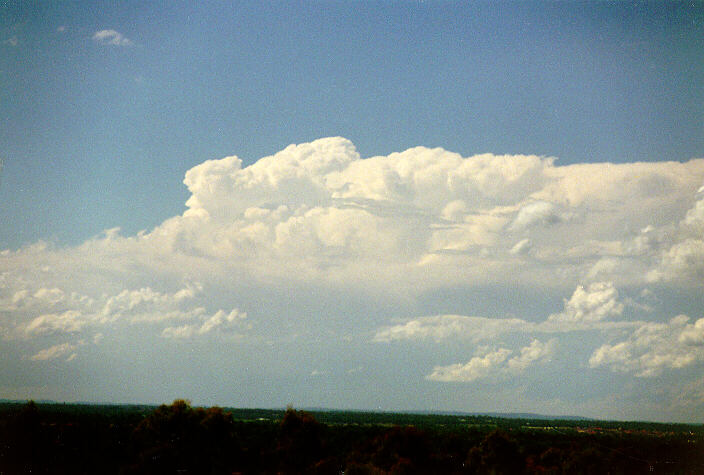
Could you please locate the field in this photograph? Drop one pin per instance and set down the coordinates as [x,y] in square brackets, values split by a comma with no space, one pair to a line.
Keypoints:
[179,438]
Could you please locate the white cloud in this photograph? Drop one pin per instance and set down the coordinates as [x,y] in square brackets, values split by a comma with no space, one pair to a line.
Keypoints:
[56,351]
[683,260]
[11,41]
[495,363]
[521,247]
[587,309]
[111,37]
[318,219]
[537,351]
[654,348]
[475,368]
[221,322]
[538,213]
[67,322]
[593,304]
[422,217]
[441,327]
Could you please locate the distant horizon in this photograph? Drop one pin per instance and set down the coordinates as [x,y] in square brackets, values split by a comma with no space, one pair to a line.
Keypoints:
[313,409]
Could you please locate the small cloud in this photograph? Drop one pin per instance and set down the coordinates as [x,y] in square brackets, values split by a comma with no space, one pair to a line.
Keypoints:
[11,41]
[537,351]
[594,303]
[61,29]
[539,213]
[221,321]
[111,37]
[477,367]
[54,352]
[521,247]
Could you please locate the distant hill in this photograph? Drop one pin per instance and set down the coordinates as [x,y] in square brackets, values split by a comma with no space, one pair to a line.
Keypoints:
[501,415]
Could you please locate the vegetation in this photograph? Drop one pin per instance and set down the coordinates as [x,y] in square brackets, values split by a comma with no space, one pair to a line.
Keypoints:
[179,438]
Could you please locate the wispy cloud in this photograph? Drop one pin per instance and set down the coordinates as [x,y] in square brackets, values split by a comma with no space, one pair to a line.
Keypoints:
[111,37]
[11,41]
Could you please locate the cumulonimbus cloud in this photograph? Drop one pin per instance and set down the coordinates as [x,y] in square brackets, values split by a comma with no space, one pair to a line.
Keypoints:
[319,214]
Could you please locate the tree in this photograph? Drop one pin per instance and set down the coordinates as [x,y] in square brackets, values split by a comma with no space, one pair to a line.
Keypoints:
[178,437]
[497,454]
[300,441]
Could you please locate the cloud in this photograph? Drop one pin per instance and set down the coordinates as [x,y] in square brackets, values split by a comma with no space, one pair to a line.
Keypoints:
[495,363]
[587,309]
[291,236]
[111,37]
[537,213]
[423,217]
[477,367]
[62,29]
[537,351]
[441,327]
[592,304]
[654,348]
[220,321]
[67,322]
[30,310]
[521,247]
[11,41]
[683,260]
[56,351]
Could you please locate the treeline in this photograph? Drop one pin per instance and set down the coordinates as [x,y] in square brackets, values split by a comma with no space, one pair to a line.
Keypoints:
[181,439]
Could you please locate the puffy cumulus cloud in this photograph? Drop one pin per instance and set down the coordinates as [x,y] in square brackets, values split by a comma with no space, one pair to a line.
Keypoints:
[594,303]
[67,322]
[495,363]
[318,212]
[319,209]
[693,334]
[538,213]
[56,351]
[111,37]
[683,262]
[536,352]
[654,348]
[475,368]
[30,310]
[681,247]
[221,322]
[587,309]
[147,304]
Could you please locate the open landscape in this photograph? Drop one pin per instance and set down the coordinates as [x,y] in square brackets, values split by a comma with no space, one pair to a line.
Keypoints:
[178,438]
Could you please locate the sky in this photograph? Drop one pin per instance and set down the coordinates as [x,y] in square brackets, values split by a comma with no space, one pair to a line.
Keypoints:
[430,206]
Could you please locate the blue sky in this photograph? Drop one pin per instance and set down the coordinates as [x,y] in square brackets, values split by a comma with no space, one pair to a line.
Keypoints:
[92,134]
[105,107]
